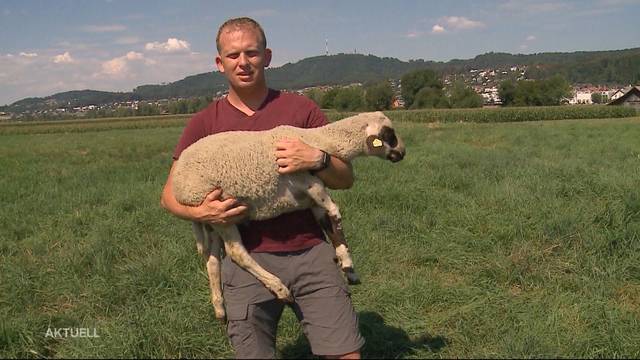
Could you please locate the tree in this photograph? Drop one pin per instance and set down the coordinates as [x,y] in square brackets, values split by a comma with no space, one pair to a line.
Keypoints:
[554,90]
[378,96]
[507,92]
[463,96]
[145,109]
[429,97]
[316,95]
[328,98]
[349,99]
[551,91]
[597,98]
[415,81]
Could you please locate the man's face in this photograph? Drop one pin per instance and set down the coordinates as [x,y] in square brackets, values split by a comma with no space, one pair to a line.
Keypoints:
[242,59]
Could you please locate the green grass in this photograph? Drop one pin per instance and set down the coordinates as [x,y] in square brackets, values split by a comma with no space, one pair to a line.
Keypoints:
[516,240]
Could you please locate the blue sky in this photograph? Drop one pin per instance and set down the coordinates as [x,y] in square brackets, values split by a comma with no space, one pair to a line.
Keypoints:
[53,46]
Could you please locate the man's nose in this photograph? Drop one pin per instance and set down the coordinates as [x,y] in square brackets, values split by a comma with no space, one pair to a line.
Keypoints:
[243,60]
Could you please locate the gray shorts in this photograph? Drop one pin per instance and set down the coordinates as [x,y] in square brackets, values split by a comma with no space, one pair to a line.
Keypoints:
[322,303]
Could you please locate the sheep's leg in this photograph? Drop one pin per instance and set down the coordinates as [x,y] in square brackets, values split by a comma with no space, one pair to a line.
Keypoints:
[328,216]
[208,243]
[234,248]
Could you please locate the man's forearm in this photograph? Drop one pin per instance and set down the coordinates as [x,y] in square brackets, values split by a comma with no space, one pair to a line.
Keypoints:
[338,175]
[169,202]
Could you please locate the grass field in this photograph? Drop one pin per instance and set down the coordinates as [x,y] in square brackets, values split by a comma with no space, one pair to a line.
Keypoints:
[489,240]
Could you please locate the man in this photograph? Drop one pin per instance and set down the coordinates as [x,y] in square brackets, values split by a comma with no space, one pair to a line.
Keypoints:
[290,246]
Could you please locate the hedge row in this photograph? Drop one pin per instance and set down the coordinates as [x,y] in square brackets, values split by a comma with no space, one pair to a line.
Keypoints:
[507,114]
[513,114]
[102,124]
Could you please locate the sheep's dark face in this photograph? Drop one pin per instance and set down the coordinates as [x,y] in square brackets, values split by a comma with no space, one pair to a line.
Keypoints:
[382,140]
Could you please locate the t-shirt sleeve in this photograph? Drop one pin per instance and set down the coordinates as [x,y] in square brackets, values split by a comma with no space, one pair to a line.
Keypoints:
[194,131]
[316,117]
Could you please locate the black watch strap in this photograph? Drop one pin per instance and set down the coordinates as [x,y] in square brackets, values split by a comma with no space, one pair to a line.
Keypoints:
[326,160]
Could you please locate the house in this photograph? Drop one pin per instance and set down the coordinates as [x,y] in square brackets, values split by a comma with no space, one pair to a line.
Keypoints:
[397,102]
[581,97]
[618,93]
[630,98]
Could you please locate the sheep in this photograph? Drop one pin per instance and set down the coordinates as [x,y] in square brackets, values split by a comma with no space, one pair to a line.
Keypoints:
[242,164]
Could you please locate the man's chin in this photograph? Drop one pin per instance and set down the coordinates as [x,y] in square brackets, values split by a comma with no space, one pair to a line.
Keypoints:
[245,84]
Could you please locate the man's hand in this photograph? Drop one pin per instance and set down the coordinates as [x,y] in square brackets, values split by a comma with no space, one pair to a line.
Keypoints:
[294,155]
[219,212]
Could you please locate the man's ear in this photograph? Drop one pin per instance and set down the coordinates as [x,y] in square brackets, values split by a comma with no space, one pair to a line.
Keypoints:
[219,64]
[267,57]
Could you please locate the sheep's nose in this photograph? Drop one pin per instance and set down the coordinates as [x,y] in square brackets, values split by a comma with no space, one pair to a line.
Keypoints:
[395,155]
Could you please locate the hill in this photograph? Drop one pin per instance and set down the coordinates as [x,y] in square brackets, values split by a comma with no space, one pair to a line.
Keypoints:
[597,67]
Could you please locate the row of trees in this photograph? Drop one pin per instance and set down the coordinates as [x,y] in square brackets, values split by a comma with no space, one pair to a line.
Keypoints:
[424,89]
[420,89]
[373,97]
[552,91]
[182,106]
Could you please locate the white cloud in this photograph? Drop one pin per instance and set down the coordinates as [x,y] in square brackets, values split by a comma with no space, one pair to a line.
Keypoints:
[413,34]
[40,76]
[438,29]
[447,23]
[29,55]
[116,66]
[132,55]
[104,28]
[171,45]
[531,38]
[121,66]
[461,23]
[63,58]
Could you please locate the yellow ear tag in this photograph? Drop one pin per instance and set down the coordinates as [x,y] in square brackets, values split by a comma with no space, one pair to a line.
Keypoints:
[377,143]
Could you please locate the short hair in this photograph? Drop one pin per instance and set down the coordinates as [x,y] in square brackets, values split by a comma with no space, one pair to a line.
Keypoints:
[239,23]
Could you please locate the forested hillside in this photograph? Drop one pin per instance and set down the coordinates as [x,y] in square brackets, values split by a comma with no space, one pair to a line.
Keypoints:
[616,67]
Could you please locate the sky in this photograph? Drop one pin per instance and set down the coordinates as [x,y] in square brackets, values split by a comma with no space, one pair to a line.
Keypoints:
[54,46]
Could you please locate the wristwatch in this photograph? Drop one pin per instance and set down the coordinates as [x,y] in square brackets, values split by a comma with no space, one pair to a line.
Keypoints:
[326,160]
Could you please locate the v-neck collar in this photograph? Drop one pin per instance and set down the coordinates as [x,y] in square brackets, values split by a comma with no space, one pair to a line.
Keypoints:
[270,95]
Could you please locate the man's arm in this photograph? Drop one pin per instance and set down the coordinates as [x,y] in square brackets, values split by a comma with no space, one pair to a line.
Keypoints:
[294,155]
[213,210]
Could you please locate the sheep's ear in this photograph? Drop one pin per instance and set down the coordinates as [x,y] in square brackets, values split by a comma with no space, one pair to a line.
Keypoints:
[375,145]
[389,136]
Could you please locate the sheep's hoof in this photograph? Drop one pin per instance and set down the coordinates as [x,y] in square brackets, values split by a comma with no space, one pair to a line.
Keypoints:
[352,277]
[220,314]
[282,293]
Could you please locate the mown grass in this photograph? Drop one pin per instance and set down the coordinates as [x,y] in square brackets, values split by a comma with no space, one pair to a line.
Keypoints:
[488,240]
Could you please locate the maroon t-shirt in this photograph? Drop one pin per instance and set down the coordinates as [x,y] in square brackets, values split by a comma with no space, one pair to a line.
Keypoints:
[288,232]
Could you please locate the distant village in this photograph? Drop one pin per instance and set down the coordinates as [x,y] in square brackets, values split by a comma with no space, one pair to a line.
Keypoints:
[486,82]
[483,81]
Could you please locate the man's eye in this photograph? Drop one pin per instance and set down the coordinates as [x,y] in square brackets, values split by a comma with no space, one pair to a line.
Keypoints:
[233,56]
